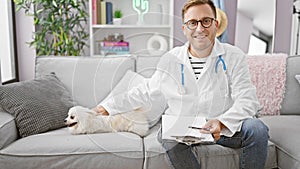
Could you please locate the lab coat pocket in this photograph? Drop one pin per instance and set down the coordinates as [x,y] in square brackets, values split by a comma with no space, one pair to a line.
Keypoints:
[213,103]
[221,84]
[224,102]
[183,104]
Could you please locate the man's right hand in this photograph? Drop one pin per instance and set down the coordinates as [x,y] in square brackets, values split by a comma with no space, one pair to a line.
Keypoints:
[101,110]
[215,127]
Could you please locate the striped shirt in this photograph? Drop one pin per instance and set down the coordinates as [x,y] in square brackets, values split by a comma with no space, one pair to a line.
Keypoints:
[197,64]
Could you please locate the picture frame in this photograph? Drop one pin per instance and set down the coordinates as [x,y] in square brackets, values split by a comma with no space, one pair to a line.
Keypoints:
[8,44]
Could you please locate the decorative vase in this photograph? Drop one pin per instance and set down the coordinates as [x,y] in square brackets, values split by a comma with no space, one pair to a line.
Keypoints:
[117,21]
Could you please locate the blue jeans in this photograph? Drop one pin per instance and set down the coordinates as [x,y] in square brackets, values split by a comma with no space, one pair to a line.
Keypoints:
[252,139]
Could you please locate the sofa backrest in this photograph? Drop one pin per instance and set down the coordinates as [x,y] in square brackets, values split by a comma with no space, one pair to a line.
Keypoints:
[291,101]
[88,79]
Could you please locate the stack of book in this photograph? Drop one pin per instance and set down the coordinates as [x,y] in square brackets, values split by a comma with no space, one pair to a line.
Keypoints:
[114,48]
[102,12]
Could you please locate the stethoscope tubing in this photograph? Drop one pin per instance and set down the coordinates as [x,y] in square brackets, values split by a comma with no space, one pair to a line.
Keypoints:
[181,89]
[220,59]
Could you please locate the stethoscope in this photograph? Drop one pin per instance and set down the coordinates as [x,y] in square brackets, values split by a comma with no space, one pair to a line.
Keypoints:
[220,59]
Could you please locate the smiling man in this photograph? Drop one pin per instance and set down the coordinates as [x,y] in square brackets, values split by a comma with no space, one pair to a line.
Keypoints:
[200,28]
[225,95]
[203,78]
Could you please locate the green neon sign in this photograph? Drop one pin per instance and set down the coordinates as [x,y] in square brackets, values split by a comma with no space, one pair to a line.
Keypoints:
[141,7]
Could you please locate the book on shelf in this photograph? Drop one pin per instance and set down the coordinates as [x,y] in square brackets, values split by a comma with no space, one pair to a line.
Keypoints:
[98,13]
[109,13]
[114,48]
[120,53]
[113,55]
[109,43]
[103,12]
[94,12]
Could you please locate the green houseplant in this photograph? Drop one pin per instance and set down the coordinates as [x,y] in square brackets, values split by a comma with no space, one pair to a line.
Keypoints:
[118,14]
[117,17]
[60,25]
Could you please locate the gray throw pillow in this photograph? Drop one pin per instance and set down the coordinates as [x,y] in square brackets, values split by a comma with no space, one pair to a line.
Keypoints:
[38,105]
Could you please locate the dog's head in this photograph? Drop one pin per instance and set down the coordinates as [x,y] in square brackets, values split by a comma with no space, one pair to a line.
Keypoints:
[78,117]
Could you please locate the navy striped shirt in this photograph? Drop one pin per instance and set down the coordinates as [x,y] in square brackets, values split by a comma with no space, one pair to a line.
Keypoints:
[197,65]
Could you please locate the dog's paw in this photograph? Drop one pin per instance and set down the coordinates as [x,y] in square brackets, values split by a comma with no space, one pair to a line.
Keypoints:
[141,129]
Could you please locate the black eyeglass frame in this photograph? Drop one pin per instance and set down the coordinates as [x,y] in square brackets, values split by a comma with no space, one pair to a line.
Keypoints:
[201,21]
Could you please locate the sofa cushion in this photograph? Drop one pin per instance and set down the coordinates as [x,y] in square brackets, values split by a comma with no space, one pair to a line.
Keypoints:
[59,149]
[268,74]
[146,65]
[284,133]
[291,101]
[132,79]
[129,80]
[7,128]
[89,79]
[298,78]
[38,105]
[210,156]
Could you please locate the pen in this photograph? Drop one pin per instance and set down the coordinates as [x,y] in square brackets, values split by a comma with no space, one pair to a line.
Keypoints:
[199,128]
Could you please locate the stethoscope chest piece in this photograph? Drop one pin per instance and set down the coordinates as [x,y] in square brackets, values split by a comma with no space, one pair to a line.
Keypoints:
[181,90]
[220,59]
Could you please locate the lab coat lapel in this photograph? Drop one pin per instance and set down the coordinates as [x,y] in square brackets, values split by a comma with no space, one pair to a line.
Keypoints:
[190,79]
[211,60]
[189,75]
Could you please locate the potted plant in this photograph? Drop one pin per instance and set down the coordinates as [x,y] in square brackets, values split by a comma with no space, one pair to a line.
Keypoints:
[118,17]
[60,26]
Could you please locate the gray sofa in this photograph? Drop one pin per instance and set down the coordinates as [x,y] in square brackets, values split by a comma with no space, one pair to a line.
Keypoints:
[89,80]
[284,132]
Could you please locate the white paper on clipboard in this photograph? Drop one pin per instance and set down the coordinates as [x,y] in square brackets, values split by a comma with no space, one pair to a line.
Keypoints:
[177,128]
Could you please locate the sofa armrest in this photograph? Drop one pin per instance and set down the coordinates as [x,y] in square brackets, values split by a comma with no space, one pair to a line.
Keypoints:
[8,129]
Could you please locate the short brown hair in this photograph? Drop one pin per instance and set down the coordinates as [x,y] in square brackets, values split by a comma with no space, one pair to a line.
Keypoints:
[191,3]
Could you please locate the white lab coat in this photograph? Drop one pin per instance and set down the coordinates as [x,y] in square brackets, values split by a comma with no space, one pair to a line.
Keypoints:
[227,96]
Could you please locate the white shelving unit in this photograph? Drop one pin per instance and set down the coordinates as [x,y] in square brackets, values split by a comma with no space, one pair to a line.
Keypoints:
[158,21]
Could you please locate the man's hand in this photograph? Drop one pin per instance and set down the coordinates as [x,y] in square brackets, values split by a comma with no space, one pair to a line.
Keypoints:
[101,110]
[215,127]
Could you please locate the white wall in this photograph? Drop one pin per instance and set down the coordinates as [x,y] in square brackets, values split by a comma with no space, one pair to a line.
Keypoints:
[283,26]
[7,53]
[295,50]
[231,12]
[26,55]
[244,28]
[179,38]
[282,32]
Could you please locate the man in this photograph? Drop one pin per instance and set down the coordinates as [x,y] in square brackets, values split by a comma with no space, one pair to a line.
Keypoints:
[205,77]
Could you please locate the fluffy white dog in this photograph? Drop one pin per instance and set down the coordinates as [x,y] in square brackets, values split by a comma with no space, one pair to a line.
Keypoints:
[82,120]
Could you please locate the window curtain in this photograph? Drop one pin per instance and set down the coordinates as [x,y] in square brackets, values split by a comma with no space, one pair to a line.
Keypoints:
[220,4]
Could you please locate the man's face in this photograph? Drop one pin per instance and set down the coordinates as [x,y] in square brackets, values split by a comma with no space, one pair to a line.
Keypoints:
[201,38]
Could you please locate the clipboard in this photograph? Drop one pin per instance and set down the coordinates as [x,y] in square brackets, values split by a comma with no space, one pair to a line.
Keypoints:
[179,128]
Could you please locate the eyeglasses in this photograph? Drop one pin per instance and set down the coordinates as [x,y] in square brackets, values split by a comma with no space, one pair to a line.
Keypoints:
[205,22]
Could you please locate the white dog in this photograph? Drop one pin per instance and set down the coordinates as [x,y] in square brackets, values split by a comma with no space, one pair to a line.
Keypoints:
[82,120]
